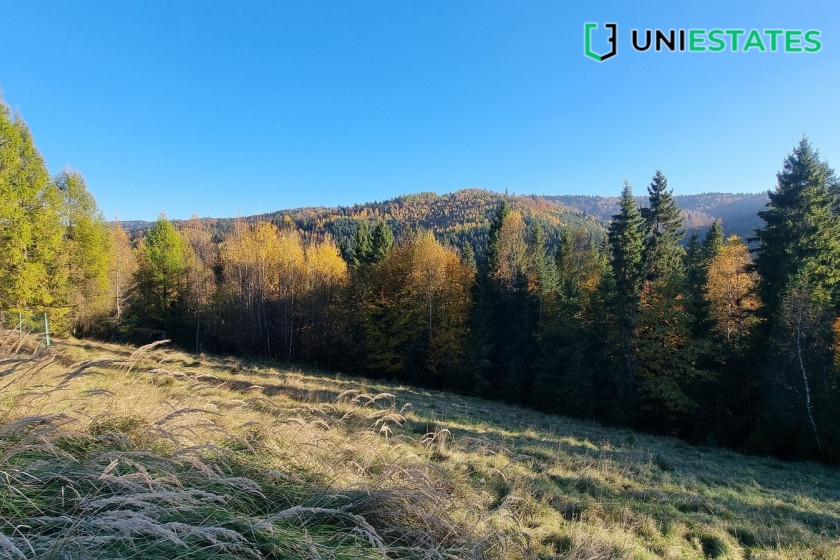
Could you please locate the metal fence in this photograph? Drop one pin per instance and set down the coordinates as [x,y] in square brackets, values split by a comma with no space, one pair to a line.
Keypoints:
[28,324]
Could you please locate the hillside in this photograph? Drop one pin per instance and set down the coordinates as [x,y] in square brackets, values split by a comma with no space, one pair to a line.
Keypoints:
[454,218]
[464,216]
[738,213]
[108,451]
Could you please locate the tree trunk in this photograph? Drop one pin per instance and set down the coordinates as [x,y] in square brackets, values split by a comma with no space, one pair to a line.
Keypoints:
[807,386]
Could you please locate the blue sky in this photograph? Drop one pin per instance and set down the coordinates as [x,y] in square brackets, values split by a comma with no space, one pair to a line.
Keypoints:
[219,108]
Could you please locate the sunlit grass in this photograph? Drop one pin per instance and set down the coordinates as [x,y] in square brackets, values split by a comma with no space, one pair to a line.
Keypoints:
[373,469]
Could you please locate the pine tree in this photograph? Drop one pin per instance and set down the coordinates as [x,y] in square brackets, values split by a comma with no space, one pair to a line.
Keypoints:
[663,230]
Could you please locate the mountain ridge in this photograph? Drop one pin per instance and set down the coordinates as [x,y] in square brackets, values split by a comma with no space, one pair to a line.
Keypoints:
[463,216]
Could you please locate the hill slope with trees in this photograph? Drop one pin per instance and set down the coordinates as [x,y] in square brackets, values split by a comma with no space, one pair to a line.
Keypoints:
[633,322]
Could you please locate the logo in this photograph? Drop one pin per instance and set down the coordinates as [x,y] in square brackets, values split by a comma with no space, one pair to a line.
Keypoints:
[707,40]
[587,41]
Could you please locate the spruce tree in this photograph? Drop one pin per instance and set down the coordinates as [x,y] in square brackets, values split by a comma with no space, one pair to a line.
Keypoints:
[381,241]
[626,235]
[362,247]
[798,260]
[663,229]
[492,255]
[693,261]
[713,242]
[801,231]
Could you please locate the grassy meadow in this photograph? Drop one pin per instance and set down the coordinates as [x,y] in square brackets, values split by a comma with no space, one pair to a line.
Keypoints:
[109,451]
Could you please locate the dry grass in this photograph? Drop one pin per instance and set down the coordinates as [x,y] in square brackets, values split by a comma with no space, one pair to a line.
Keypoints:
[111,452]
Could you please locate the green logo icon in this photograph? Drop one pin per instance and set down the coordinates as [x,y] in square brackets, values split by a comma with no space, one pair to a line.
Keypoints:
[587,41]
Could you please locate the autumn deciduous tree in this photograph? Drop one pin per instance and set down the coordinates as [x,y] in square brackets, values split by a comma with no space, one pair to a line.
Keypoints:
[511,263]
[122,269]
[730,290]
[199,255]
[326,274]
[250,258]
[417,315]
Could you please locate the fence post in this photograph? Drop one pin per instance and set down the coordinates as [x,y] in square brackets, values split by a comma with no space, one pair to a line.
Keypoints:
[20,324]
[47,329]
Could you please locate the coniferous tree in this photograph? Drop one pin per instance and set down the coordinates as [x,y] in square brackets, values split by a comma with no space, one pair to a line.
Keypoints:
[626,241]
[540,270]
[361,249]
[86,249]
[798,260]
[801,230]
[162,271]
[569,357]
[381,241]
[694,264]
[30,230]
[663,230]
[713,242]
[665,351]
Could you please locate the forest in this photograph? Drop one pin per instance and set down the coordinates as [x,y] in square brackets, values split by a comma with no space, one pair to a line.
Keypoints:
[712,338]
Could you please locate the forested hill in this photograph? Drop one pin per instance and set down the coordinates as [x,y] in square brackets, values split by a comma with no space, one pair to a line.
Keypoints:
[738,213]
[454,218]
[464,216]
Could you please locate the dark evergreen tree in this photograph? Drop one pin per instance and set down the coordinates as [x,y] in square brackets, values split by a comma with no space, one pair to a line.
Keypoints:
[569,353]
[362,246]
[541,273]
[799,262]
[381,241]
[492,256]
[663,230]
[801,231]
[626,239]
[693,262]
[713,242]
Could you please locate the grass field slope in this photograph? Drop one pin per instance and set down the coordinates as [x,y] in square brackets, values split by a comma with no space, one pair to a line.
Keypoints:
[110,451]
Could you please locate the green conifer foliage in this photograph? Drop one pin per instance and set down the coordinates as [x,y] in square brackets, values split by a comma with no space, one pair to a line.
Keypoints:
[663,225]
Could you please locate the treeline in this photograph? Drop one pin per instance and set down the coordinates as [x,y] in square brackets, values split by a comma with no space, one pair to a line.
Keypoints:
[699,338]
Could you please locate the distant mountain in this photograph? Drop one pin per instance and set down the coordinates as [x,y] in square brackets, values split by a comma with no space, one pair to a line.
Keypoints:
[738,213]
[465,215]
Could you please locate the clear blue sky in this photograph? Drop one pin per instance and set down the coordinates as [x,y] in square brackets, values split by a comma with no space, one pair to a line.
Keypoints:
[225,107]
